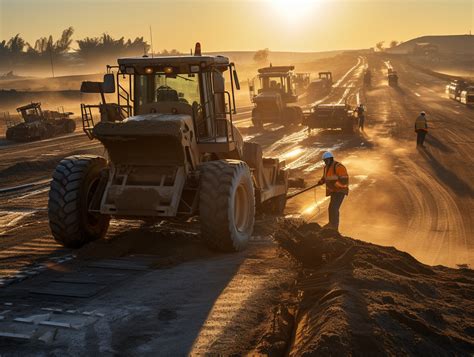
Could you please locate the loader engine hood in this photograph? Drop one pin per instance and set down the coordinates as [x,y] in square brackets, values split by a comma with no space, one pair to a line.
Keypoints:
[267,97]
[154,138]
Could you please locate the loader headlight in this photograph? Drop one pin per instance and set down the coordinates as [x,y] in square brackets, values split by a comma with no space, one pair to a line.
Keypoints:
[168,70]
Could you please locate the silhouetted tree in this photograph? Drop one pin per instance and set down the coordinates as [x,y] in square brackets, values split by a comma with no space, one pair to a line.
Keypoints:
[394,43]
[46,45]
[4,50]
[16,52]
[379,45]
[16,44]
[108,47]
[172,52]
[261,56]
[64,43]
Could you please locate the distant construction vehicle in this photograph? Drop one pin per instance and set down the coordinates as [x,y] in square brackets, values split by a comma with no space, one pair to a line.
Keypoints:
[392,78]
[455,88]
[368,78]
[275,98]
[173,152]
[321,86]
[39,124]
[467,96]
[331,116]
[302,81]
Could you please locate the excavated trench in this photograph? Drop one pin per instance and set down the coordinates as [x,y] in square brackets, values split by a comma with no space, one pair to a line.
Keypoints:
[357,298]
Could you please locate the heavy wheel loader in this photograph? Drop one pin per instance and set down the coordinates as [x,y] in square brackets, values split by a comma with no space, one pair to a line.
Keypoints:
[173,151]
[275,100]
[38,124]
[320,87]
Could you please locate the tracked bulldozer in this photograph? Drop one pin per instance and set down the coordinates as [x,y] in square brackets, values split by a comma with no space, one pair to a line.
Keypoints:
[275,100]
[173,153]
[38,124]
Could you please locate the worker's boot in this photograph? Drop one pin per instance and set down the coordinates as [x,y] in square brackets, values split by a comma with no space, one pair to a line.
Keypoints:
[330,226]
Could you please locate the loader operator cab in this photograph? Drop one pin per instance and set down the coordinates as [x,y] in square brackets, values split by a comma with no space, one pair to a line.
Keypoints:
[326,76]
[191,85]
[278,79]
[30,112]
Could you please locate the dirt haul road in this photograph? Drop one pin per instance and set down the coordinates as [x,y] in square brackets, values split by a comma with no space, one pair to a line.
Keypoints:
[420,201]
[116,297]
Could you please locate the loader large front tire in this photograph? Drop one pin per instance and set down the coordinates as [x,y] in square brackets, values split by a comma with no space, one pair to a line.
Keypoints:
[74,183]
[257,119]
[69,126]
[226,204]
[9,134]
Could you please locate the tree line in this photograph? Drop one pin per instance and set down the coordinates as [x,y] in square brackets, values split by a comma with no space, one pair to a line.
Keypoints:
[380,46]
[16,52]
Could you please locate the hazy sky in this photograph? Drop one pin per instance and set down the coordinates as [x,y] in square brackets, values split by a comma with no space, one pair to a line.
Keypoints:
[296,25]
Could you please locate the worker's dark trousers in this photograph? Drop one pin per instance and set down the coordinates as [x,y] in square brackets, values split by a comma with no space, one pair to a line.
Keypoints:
[420,137]
[334,205]
[361,123]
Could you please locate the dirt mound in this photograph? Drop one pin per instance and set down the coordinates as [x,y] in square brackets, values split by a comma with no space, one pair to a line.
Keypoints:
[358,298]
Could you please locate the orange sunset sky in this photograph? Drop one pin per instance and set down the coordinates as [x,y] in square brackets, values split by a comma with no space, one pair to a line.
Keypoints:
[281,25]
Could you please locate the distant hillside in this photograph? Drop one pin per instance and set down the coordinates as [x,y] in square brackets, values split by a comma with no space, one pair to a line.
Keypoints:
[246,57]
[451,44]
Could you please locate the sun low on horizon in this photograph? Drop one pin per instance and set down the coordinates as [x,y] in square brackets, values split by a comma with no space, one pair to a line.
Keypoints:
[294,11]
[281,25]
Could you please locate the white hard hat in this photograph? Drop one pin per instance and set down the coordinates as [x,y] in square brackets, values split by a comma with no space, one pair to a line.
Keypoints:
[423,113]
[327,155]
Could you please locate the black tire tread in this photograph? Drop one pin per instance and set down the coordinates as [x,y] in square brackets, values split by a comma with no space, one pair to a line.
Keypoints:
[63,204]
[216,182]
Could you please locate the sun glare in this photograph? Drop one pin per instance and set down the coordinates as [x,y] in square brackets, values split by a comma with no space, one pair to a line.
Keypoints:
[294,10]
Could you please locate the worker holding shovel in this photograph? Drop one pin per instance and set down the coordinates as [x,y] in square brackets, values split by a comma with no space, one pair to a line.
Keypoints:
[337,187]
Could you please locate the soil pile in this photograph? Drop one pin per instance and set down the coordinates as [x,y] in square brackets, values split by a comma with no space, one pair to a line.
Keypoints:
[357,298]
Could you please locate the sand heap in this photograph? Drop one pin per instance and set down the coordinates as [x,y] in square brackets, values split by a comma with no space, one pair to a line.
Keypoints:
[357,298]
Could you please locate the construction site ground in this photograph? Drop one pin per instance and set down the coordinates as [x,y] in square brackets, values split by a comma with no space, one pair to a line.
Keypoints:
[152,288]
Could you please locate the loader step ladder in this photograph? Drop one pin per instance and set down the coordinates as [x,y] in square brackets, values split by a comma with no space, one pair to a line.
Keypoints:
[87,119]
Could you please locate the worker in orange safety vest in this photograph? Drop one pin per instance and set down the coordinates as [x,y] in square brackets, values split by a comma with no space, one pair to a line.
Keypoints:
[337,187]
[421,129]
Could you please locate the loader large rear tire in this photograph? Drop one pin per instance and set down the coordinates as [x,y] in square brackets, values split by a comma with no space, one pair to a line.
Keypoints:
[289,116]
[257,119]
[8,134]
[74,183]
[226,204]
[69,126]
[299,115]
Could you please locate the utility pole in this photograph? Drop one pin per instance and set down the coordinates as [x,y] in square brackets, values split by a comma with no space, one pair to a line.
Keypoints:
[151,40]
